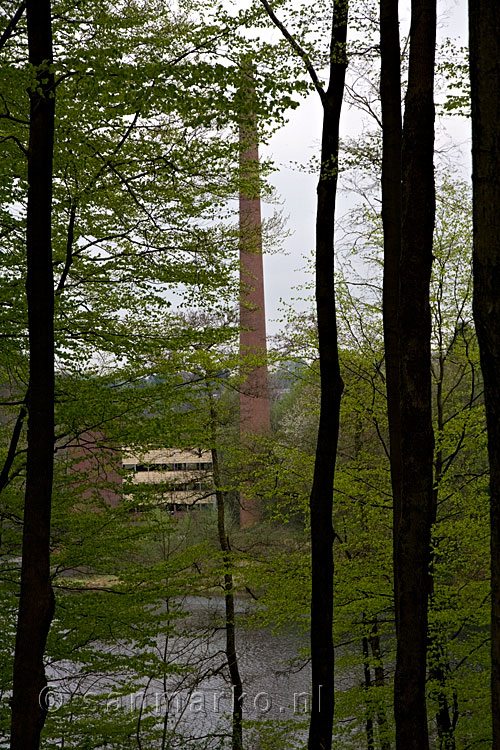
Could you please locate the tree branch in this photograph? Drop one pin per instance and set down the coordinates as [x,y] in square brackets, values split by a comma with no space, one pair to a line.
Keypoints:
[69,249]
[297,48]
[12,24]
[14,441]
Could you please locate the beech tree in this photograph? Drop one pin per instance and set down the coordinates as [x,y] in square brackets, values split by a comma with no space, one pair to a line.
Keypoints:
[484,40]
[390,100]
[321,499]
[456,693]
[407,339]
[36,604]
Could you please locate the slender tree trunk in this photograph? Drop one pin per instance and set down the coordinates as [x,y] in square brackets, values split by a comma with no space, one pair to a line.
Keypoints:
[412,549]
[373,641]
[484,30]
[383,724]
[36,605]
[321,501]
[231,655]
[438,670]
[438,662]
[370,742]
[392,127]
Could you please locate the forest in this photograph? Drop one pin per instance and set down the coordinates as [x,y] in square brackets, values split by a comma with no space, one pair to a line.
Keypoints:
[210,539]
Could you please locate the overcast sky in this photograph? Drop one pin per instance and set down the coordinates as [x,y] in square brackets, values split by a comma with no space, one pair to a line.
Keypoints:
[297,142]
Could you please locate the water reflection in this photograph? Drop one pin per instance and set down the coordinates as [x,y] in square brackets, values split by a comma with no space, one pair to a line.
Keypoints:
[275,683]
[186,700]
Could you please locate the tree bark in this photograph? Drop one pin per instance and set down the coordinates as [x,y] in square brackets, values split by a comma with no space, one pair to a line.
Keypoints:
[412,544]
[390,99]
[484,35]
[321,500]
[36,605]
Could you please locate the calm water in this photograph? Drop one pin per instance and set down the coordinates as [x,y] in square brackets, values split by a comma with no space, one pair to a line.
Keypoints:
[193,707]
[276,681]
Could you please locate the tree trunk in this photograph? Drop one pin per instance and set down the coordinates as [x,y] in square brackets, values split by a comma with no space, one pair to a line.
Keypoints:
[370,742]
[321,501]
[412,544]
[383,724]
[439,668]
[231,655]
[484,30]
[36,605]
[390,98]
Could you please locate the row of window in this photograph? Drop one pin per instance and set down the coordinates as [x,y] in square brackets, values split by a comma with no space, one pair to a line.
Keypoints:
[195,466]
[205,486]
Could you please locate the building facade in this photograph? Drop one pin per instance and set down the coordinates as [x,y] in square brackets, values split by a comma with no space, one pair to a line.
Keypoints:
[177,479]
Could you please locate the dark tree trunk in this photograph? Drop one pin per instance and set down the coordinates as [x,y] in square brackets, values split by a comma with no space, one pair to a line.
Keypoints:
[413,541]
[383,724]
[390,98]
[231,655]
[439,668]
[370,741]
[484,30]
[438,672]
[321,501]
[408,218]
[36,604]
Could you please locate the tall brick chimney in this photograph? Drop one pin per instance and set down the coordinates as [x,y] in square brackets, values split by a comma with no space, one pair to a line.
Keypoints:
[254,391]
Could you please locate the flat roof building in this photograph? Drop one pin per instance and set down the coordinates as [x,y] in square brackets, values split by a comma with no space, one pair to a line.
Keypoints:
[181,478]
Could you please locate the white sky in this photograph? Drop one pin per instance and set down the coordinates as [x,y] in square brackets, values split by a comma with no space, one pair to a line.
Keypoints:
[297,142]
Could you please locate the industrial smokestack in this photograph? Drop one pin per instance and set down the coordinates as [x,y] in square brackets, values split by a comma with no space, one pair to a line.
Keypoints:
[254,390]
